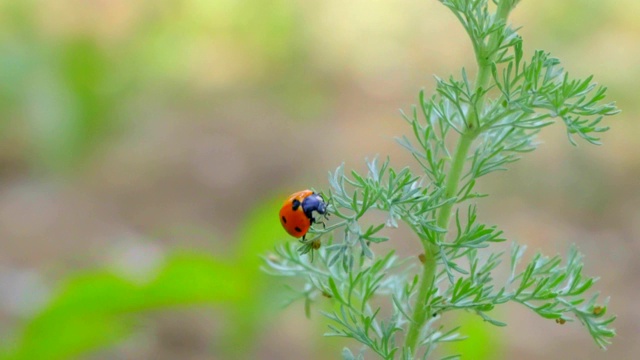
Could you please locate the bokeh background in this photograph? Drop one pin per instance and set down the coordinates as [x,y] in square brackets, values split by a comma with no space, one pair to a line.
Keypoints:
[145,147]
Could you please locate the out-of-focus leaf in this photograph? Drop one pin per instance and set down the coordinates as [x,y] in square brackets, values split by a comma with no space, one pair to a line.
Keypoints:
[69,337]
[483,342]
[260,232]
[90,310]
[188,279]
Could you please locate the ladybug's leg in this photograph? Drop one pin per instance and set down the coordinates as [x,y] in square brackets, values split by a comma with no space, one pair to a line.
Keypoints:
[326,217]
[315,221]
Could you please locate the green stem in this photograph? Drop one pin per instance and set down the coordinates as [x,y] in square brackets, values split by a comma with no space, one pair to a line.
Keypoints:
[420,312]
[431,250]
[485,58]
[453,178]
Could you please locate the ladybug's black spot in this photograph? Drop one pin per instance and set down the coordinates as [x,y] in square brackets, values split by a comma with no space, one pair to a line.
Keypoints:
[284,219]
[296,204]
[298,229]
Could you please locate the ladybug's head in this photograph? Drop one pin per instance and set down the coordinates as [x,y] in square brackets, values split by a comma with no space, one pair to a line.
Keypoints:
[314,202]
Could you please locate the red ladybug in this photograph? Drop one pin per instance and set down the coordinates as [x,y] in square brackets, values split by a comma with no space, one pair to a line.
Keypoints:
[296,214]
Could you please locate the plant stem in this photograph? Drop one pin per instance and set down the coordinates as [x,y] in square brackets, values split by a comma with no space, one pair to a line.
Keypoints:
[420,312]
[484,57]
[430,249]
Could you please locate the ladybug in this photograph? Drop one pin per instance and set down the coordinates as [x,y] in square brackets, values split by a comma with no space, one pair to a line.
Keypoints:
[296,214]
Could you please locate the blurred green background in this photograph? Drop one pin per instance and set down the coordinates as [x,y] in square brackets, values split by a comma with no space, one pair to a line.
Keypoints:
[146,147]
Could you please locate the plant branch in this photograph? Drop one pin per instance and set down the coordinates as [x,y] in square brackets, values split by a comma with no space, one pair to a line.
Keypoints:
[485,60]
